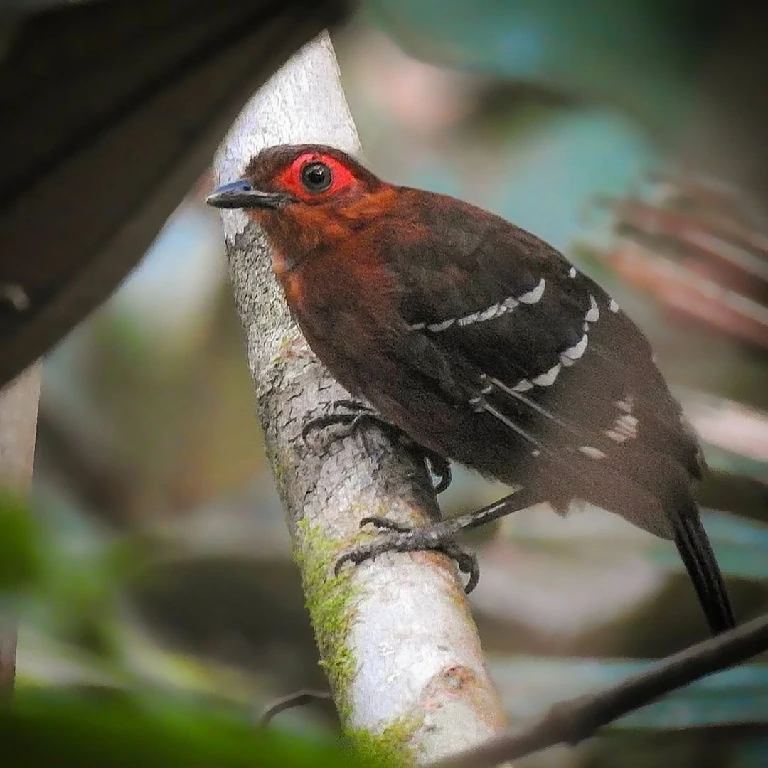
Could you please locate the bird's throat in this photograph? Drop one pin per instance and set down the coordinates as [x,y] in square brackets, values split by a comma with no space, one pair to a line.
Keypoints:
[287,272]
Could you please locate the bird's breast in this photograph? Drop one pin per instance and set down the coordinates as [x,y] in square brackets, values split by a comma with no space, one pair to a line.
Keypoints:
[289,277]
[336,291]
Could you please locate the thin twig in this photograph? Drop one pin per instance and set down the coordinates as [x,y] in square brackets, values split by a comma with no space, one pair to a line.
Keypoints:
[570,722]
[297,699]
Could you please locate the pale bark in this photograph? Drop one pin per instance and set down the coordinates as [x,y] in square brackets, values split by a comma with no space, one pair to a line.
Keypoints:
[18,428]
[396,636]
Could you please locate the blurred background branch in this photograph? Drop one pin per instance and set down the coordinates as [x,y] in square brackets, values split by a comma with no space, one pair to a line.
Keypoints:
[572,721]
[18,428]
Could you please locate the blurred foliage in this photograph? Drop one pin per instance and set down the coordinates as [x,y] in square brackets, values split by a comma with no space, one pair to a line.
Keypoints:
[160,606]
[735,696]
[20,561]
[69,730]
[643,55]
[114,717]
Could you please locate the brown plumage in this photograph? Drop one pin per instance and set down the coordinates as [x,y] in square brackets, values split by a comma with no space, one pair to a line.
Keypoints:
[483,344]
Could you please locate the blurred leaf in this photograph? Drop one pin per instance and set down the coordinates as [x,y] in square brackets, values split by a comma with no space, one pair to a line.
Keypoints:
[566,162]
[734,436]
[63,730]
[735,463]
[741,546]
[641,54]
[750,753]
[529,686]
[20,562]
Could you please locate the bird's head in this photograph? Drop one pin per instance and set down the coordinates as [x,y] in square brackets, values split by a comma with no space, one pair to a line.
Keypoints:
[305,196]
[296,177]
[310,200]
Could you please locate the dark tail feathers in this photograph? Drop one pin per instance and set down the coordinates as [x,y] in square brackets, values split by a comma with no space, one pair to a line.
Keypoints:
[696,552]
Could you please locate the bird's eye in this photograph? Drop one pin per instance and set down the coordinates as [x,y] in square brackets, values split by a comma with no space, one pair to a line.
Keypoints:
[316,177]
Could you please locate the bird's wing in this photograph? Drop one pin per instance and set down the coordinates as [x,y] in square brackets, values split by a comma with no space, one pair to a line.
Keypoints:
[550,352]
[492,314]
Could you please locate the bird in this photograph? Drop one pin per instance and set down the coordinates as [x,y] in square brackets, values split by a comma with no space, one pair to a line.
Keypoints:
[482,344]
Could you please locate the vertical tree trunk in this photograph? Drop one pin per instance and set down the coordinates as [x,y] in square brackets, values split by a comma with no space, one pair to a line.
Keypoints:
[18,427]
[395,636]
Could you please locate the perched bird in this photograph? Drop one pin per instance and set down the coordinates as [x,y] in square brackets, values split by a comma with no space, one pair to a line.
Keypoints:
[484,345]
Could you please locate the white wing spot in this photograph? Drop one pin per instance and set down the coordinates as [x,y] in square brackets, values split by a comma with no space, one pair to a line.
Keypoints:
[487,314]
[569,356]
[629,423]
[477,404]
[613,306]
[469,319]
[548,378]
[593,453]
[593,315]
[533,295]
[623,429]
[441,326]
[522,386]
[573,272]
[495,310]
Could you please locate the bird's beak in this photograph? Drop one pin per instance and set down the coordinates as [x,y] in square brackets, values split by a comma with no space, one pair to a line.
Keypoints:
[240,194]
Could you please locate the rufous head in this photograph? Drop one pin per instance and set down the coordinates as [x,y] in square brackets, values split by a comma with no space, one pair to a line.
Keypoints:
[296,176]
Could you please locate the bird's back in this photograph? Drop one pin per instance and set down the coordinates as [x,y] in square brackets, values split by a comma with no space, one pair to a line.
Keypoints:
[492,316]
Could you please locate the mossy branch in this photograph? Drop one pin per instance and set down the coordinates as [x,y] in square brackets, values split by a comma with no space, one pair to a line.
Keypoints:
[395,636]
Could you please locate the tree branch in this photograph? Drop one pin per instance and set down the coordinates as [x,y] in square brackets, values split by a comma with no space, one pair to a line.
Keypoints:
[570,722]
[395,636]
[18,428]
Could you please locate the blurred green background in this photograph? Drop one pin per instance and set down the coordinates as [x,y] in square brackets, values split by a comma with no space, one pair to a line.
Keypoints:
[158,564]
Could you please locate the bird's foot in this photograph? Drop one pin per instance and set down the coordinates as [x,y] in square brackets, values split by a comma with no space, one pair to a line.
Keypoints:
[350,418]
[354,417]
[439,537]
[439,469]
[350,415]
[401,538]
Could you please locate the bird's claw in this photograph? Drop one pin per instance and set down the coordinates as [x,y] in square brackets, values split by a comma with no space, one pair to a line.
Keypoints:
[355,416]
[385,524]
[350,419]
[440,468]
[401,538]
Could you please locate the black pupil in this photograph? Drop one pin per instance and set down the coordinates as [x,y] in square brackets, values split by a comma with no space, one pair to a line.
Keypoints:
[316,177]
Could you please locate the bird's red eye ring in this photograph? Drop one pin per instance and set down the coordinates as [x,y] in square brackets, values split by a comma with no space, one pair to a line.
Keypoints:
[316,176]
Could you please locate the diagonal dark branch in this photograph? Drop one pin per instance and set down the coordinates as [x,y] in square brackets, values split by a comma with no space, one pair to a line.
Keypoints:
[86,88]
[570,722]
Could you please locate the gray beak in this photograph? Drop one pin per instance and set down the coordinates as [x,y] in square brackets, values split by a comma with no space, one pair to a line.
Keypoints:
[240,194]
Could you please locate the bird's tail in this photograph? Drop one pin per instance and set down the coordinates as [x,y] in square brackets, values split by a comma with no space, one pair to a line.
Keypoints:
[699,559]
